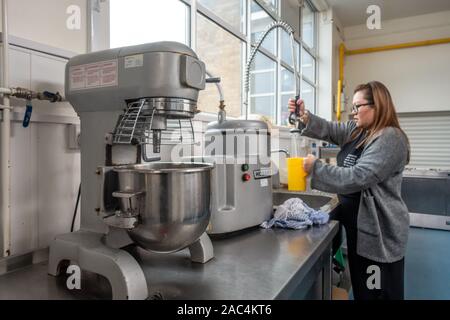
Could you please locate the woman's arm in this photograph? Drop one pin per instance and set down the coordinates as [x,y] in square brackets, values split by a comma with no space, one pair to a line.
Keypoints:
[318,128]
[331,131]
[380,159]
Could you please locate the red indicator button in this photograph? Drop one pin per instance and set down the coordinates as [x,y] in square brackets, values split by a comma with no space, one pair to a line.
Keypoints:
[246,177]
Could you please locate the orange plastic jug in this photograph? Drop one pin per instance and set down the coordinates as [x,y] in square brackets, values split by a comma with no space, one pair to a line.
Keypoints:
[296,174]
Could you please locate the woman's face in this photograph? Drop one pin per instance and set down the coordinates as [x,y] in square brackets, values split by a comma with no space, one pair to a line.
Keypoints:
[366,113]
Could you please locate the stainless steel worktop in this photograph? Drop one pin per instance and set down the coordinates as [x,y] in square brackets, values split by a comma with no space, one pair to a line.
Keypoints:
[257,264]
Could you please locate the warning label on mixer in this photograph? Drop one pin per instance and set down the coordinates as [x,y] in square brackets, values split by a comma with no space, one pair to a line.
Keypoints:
[93,75]
[133,61]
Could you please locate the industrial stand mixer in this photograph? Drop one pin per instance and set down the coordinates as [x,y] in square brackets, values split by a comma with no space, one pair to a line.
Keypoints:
[127,99]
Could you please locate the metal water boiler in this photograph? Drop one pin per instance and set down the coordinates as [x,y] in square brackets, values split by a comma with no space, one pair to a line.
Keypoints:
[242,182]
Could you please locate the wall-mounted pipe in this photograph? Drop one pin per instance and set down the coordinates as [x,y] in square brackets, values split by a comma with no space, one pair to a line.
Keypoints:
[5,171]
[339,98]
[340,81]
[6,91]
[22,93]
[398,46]
[343,52]
[221,115]
[216,81]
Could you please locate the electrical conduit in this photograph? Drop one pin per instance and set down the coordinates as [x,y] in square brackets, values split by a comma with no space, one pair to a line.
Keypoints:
[340,81]
[5,142]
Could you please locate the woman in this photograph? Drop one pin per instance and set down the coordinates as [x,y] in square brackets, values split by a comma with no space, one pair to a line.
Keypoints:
[367,179]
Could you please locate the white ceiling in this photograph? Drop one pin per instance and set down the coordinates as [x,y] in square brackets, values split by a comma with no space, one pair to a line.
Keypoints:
[353,12]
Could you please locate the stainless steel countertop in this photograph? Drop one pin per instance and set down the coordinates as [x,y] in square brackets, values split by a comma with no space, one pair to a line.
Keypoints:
[257,264]
[426,173]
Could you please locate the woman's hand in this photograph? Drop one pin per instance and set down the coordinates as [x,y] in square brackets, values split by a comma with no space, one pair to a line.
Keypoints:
[301,112]
[308,163]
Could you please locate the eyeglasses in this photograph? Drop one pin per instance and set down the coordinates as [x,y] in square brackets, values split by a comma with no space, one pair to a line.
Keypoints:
[355,107]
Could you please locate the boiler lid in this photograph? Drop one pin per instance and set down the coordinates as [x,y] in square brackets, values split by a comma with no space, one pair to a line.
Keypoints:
[238,124]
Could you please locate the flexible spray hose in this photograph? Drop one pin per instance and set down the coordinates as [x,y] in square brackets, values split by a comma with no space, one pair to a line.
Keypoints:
[270,27]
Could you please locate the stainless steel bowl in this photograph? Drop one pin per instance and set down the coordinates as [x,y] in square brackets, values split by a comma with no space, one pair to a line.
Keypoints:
[177,205]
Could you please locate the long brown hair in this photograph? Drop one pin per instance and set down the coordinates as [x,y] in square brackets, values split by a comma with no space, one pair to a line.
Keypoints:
[385,115]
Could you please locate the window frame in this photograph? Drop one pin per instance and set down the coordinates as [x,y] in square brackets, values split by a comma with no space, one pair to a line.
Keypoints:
[245,36]
[312,51]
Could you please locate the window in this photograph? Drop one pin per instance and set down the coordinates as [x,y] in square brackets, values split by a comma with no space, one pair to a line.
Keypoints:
[223,54]
[286,49]
[275,66]
[308,66]
[263,86]
[308,25]
[223,31]
[135,21]
[231,11]
[308,96]
[308,57]
[259,21]
[287,92]
[271,5]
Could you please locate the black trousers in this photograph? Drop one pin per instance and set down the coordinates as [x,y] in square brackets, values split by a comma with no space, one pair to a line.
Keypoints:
[370,280]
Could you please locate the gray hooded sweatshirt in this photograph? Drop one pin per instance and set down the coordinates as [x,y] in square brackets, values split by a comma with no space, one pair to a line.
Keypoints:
[383,219]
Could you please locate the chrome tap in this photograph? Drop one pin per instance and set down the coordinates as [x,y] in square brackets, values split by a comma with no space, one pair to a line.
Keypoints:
[288,155]
[276,184]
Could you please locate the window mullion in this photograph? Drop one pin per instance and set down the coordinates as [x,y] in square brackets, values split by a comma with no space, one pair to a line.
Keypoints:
[247,55]
[194,25]
[278,81]
[272,14]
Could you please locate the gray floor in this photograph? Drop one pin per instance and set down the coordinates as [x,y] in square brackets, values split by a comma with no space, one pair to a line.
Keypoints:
[427,264]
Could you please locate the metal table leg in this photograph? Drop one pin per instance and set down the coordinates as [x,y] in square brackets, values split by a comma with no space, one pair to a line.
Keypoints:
[326,274]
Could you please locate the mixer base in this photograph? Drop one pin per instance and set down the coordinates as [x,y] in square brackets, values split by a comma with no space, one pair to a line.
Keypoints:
[87,250]
[202,249]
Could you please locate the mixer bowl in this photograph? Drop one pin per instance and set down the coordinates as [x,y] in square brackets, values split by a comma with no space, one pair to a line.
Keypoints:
[176,205]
